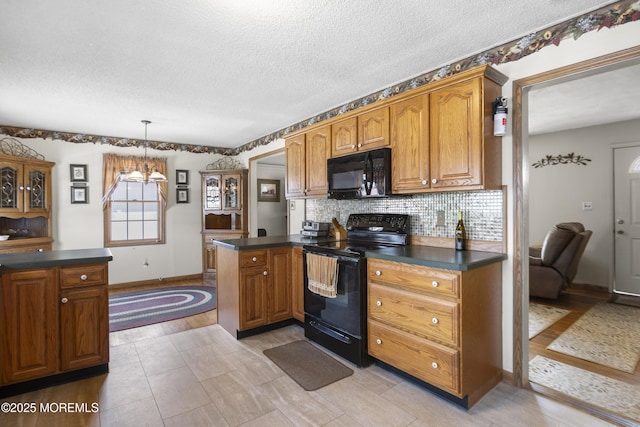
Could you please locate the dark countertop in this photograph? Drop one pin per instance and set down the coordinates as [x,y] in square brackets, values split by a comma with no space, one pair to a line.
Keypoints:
[270,242]
[19,260]
[431,256]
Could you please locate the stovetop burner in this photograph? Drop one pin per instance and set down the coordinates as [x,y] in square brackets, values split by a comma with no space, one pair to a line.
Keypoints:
[367,232]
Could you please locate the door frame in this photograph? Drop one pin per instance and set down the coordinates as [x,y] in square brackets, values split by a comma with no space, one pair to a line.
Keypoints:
[520,232]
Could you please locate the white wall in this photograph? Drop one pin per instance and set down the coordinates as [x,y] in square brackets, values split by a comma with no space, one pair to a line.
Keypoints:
[272,216]
[80,226]
[556,192]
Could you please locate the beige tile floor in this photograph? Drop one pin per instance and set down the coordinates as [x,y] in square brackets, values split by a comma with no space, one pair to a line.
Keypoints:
[204,377]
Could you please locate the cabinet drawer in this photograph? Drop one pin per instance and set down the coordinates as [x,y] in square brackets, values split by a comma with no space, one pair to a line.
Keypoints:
[253,258]
[83,275]
[208,238]
[418,277]
[415,313]
[433,363]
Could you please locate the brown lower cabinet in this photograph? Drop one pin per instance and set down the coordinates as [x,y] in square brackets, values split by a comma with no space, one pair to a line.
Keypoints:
[441,326]
[53,320]
[254,288]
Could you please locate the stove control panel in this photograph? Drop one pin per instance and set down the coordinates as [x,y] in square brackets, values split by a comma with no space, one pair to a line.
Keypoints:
[398,223]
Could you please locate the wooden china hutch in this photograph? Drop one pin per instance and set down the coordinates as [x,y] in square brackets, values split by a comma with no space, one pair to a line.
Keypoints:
[25,203]
[224,207]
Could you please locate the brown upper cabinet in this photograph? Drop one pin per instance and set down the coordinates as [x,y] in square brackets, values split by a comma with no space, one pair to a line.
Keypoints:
[443,139]
[440,134]
[409,145]
[307,156]
[364,132]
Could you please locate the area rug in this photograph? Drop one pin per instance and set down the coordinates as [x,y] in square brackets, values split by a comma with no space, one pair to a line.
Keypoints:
[308,366]
[607,334]
[543,316]
[606,393]
[140,308]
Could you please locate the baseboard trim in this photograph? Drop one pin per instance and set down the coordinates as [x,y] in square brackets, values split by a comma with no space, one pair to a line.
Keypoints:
[162,280]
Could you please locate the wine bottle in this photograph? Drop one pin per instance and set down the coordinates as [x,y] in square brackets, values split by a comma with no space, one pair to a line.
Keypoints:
[461,234]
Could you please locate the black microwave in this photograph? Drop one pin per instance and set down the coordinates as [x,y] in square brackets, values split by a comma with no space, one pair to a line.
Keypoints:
[360,175]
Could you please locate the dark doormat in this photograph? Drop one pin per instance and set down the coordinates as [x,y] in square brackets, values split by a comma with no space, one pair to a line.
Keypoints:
[307,365]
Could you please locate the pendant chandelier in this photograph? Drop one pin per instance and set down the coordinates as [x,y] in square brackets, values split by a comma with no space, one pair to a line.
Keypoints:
[146,174]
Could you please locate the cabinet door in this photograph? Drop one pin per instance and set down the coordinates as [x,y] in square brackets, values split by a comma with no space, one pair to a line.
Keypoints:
[232,188]
[373,129]
[84,327]
[212,193]
[295,153]
[30,338]
[11,199]
[297,284]
[456,135]
[253,297]
[410,145]
[37,189]
[344,137]
[279,292]
[318,151]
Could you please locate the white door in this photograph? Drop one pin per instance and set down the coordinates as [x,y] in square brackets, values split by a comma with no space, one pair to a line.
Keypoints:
[627,220]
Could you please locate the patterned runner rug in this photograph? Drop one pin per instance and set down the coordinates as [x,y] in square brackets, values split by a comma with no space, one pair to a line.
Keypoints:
[140,308]
[606,393]
[607,334]
[543,316]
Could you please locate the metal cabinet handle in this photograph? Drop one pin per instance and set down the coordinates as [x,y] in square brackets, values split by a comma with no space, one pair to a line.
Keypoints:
[433,181]
[64,300]
[378,341]
[424,182]
[264,273]
[254,259]
[359,145]
[434,365]
[620,232]
[434,320]
[379,303]
[378,273]
[353,146]
[435,284]
[83,277]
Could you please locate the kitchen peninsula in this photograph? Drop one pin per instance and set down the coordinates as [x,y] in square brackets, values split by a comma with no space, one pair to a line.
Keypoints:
[433,313]
[54,317]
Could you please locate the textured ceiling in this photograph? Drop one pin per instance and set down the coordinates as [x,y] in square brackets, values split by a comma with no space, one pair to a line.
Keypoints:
[223,73]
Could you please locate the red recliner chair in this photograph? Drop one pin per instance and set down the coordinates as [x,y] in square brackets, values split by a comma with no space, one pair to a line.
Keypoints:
[553,267]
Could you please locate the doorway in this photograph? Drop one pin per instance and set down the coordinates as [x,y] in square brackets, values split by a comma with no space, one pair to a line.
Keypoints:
[520,176]
[268,216]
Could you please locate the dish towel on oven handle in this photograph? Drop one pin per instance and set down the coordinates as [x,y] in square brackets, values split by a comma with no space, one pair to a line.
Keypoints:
[322,275]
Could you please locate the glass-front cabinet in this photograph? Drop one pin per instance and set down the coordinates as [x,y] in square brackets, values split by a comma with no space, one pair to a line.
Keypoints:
[222,192]
[25,204]
[224,214]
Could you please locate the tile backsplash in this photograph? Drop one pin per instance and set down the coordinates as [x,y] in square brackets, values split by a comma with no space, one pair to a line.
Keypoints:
[482,212]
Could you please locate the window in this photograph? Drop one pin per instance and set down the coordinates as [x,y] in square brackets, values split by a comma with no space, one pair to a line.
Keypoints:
[134,212]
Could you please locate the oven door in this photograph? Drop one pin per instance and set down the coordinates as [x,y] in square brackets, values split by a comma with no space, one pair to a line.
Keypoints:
[343,312]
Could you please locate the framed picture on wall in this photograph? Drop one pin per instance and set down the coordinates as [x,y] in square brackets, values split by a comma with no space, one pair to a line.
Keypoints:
[268,190]
[182,177]
[78,173]
[182,195]
[79,194]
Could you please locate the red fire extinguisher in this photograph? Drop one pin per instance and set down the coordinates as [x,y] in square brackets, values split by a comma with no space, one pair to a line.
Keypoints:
[500,116]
